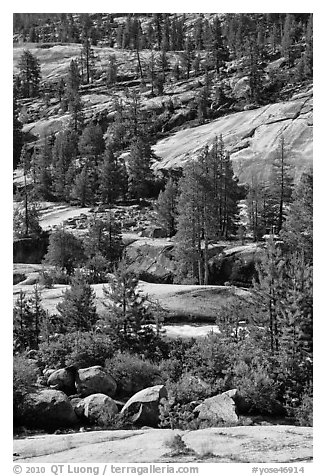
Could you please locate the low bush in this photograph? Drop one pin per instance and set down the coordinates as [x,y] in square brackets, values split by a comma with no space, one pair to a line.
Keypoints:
[25,373]
[304,412]
[190,388]
[178,416]
[54,276]
[132,373]
[82,349]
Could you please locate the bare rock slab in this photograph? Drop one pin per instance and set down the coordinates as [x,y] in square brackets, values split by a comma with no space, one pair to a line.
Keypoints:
[240,444]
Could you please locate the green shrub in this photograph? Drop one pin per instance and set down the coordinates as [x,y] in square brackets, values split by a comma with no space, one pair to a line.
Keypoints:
[25,373]
[301,408]
[304,413]
[132,373]
[82,349]
[178,447]
[178,416]
[209,359]
[54,276]
[189,388]
[257,388]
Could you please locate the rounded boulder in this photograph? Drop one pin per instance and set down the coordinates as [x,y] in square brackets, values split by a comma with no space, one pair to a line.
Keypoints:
[98,408]
[48,409]
[95,380]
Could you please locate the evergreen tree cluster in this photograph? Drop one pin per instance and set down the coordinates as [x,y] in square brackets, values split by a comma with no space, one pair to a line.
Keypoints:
[206,209]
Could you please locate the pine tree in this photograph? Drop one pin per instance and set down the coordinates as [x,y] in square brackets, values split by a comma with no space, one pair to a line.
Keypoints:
[207,208]
[91,143]
[43,174]
[166,207]
[157,24]
[78,308]
[82,189]
[281,185]
[128,319]
[17,129]
[308,53]
[112,178]
[104,238]
[140,175]
[30,75]
[65,250]
[26,220]
[270,292]
[64,153]
[87,54]
[28,318]
[112,71]
[198,33]
[187,56]
[72,97]
[297,232]
[288,38]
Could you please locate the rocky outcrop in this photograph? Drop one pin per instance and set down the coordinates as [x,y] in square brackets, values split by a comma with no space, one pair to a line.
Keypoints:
[97,409]
[143,407]
[235,265]
[30,250]
[48,409]
[152,261]
[95,380]
[217,409]
[63,379]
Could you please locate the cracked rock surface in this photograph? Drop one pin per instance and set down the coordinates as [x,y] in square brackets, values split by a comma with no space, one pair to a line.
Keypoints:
[252,137]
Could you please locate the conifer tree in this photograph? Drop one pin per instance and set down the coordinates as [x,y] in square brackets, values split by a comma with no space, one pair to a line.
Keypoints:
[288,38]
[17,129]
[104,238]
[297,232]
[207,208]
[112,71]
[78,308]
[112,178]
[29,74]
[187,56]
[43,174]
[72,99]
[65,250]
[140,175]
[166,207]
[82,189]
[281,185]
[128,319]
[91,143]
[26,220]
[87,54]
[27,319]
[64,153]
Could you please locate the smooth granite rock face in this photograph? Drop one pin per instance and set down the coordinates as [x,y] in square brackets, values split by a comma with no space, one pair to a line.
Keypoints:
[252,137]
